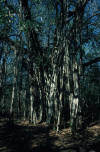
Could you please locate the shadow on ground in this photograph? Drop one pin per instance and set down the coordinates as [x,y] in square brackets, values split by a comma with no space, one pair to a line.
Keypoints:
[21,137]
[16,138]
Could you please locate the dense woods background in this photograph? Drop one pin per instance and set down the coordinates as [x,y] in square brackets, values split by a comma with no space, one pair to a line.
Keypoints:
[49,62]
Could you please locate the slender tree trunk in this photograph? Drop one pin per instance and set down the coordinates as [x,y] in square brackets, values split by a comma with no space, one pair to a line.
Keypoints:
[13,93]
[31,98]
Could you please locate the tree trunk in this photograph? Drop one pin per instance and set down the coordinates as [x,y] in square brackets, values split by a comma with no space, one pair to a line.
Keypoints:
[13,93]
[74,97]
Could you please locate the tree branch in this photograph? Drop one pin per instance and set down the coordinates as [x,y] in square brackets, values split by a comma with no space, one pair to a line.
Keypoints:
[32,34]
[85,3]
[91,62]
[13,44]
[86,22]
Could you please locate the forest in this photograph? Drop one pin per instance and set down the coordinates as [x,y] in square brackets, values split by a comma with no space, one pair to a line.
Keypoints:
[49,75]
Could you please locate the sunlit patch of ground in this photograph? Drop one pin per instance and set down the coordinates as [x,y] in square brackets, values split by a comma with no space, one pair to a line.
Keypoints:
[25,137]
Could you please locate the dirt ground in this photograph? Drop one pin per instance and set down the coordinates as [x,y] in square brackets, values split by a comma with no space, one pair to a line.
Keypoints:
[22,137]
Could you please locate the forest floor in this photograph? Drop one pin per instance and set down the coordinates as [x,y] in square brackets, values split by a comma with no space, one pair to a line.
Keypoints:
[22,137]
